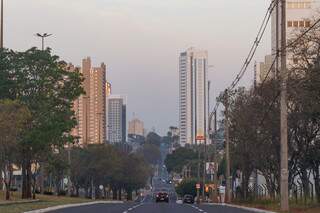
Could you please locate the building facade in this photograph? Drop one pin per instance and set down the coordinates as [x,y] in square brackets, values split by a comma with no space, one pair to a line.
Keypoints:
[300,15]
[193,83]
[136,127]
[116,119]
[90,108]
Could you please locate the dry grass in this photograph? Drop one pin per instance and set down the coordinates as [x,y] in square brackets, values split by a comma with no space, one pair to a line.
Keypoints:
[275,206]
[45,201]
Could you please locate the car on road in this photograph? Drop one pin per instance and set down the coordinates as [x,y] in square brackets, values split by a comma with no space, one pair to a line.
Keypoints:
[162,197]
[188,199]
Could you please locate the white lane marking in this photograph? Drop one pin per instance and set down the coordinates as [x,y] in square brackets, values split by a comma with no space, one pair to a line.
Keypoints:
[197,208]
[132,208]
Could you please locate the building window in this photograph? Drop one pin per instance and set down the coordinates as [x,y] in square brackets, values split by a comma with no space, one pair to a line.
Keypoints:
[301,23]
[307,24]
[295,23]
[289,23]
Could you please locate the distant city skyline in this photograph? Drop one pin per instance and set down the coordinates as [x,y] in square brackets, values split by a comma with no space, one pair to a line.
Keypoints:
[139,41]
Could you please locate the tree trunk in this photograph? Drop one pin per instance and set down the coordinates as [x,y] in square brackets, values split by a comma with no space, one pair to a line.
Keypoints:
[7,191]
[129,195]
[305,184]
[120,193]
[316,175]
[26,179]
[114,193]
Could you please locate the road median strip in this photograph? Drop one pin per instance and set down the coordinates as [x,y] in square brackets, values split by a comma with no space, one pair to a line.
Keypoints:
[53,208]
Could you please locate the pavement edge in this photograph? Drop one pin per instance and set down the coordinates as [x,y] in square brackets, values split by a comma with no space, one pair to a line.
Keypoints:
[53,208]
[242,207]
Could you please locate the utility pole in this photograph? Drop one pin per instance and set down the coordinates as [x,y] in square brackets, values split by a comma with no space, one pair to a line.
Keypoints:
[2,28]
[215,159]
[198,189]
[204,170]
[227,141]
[284,189]
[69,169]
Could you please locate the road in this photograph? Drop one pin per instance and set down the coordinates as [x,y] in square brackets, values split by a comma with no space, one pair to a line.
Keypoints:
[150,208]
[147,204]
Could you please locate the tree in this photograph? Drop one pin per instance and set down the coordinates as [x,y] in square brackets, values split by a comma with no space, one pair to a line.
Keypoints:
[151,153]
[153,138]
[187,187]
[41,81]
[14,119]
[180,158]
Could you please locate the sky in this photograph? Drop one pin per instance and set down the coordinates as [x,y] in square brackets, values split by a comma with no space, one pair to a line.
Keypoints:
[140,41]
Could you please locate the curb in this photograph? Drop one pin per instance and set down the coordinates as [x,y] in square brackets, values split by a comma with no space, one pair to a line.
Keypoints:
[242,207]
[73,205]
[5,203]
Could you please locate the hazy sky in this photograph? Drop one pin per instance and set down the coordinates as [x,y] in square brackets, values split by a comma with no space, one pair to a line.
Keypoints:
[140,41]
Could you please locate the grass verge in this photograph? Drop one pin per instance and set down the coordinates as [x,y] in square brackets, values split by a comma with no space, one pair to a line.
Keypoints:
[275,206]
[45,201]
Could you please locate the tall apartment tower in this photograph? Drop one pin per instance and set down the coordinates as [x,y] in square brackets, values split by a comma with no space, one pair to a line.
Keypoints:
[90,108]
[136,127]
[300,14]
[97,119]
[116,119]
[193,83]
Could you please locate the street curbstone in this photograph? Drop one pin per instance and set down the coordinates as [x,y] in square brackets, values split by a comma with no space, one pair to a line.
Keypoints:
[53,208]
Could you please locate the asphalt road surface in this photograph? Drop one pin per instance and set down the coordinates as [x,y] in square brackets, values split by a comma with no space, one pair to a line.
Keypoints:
[147,203]
[150,208]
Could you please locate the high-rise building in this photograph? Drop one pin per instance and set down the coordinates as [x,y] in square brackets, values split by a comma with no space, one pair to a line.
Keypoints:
[108,93]
[300,14]
[90,107]
[116,119]
[193,83]
[97,121]
[264,69]
[136,127]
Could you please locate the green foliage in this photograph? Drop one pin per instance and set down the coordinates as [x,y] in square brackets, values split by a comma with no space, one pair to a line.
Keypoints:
[153,138]
[151,153]
[179,158]
[108,166]
[41,82]
[14,119]
[187,187]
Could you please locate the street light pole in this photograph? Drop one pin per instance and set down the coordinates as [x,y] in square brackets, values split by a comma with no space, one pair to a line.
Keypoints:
[2,28]
[43,36]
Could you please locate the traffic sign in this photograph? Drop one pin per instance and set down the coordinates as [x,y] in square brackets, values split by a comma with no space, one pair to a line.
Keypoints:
[198,186]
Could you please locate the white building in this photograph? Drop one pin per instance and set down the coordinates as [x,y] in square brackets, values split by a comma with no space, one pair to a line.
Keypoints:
[193,83]
[300,14]
[116,119]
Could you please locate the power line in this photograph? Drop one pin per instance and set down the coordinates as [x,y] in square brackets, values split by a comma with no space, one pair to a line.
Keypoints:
[287,46]
[252,51]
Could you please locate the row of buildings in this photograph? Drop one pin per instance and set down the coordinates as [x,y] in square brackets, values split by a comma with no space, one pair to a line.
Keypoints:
[101,115]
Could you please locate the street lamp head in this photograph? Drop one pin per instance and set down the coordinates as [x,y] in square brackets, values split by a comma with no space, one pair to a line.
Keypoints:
[43,35]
